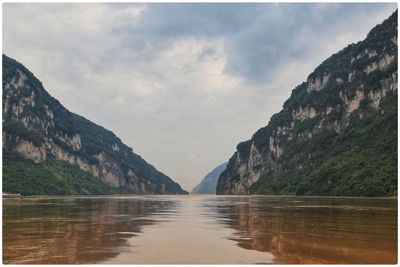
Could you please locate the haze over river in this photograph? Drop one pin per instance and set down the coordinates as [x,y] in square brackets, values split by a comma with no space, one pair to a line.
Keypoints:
[199,229]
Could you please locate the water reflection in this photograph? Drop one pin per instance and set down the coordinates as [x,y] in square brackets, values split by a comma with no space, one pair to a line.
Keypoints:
[199,229]
[190,235]
[315,230]
[73,230]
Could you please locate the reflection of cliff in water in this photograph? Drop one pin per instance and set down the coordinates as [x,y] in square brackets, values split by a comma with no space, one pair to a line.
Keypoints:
[316,230]
[84,230]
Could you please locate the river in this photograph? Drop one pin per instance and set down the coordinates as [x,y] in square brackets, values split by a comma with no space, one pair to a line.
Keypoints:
[199,229]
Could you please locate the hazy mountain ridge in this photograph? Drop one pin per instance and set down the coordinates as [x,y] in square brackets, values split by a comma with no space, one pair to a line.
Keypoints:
[208,185]
[49,150]
[336,134]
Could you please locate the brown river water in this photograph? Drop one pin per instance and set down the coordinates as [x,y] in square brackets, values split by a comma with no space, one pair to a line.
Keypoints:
[199,229]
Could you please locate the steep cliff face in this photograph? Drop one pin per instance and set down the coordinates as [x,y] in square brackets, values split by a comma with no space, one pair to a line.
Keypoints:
[336,134]
[42,141]
[208,184]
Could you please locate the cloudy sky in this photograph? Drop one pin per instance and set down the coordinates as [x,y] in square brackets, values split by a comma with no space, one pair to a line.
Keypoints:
[181,84]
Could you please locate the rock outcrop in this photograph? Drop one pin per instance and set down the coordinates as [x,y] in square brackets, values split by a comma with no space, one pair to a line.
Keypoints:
[37,127]
[336,134]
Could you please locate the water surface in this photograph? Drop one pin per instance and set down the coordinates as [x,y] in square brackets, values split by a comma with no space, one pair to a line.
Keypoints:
[199,229]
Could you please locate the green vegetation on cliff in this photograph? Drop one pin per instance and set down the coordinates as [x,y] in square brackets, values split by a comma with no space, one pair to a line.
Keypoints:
[54,178]
[336,134]
[361,161]
[50,150]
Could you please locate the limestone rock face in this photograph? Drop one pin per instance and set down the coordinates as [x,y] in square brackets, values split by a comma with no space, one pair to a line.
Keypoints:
[357,87]
[38,128]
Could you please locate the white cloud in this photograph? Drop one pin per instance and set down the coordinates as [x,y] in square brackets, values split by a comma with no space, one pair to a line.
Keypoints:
[181,84]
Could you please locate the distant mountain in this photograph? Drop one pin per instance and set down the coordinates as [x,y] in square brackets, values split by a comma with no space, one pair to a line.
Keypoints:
[336,134]
[208,184]
[49,150]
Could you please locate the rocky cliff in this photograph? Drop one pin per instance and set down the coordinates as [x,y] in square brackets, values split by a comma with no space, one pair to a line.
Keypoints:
[336,134]
[208,184]
[49,150]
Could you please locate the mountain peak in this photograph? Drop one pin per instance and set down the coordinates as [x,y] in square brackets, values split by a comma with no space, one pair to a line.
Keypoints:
[336,134]
[208,184]
[49,150]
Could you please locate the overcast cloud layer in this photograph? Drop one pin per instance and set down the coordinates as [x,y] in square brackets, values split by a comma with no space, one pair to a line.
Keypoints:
[181,84]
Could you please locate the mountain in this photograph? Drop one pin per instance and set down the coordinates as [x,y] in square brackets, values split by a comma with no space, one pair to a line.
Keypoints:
[208,184]
[49,150]
[336,134]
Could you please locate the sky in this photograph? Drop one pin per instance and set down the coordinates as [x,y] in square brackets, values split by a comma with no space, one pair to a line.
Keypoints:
[182,84]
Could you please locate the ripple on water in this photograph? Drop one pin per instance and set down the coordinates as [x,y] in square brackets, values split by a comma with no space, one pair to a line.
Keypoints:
[199,229]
